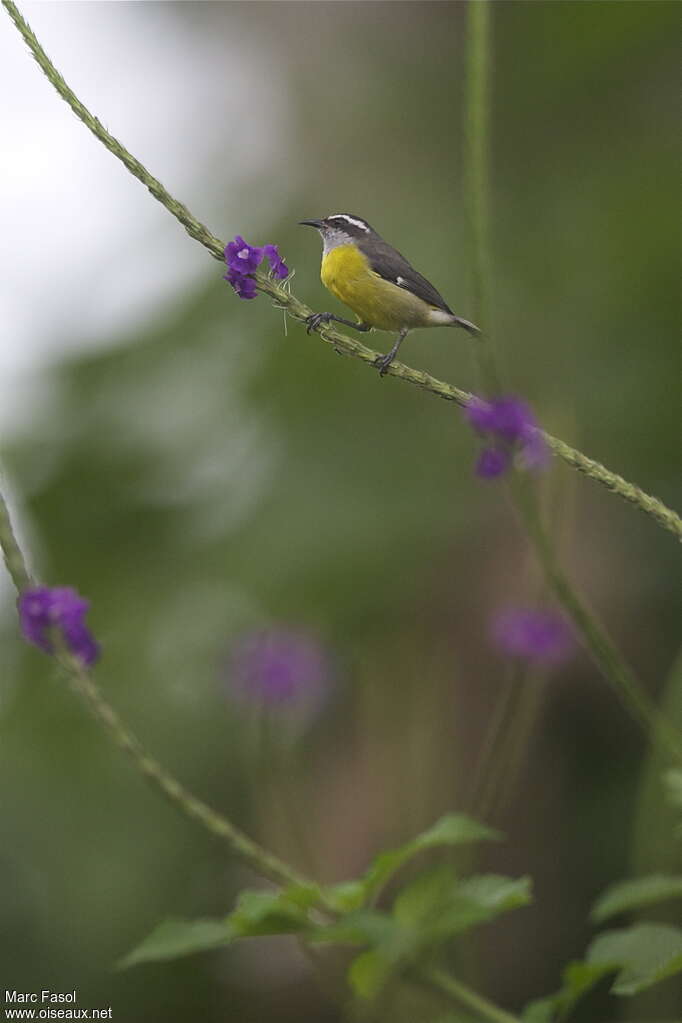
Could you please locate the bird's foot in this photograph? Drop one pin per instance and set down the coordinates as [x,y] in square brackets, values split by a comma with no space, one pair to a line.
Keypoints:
[313,321]
[382,362]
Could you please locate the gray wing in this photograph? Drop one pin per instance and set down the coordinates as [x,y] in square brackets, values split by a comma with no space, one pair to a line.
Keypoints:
[392,266]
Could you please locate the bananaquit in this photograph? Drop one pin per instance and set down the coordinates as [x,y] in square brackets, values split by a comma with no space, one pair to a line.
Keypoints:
[377,283]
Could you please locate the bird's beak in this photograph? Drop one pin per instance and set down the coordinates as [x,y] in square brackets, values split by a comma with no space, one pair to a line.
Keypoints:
[312,223]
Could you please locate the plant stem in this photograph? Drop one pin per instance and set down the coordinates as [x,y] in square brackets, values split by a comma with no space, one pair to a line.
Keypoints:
[258,858]
[82,683]
[11,552]
[282,297]
[441,981]
[254,855]
[595,637]
[476,176]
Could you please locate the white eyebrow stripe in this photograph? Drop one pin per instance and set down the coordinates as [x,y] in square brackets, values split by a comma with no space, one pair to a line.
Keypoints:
[350,220]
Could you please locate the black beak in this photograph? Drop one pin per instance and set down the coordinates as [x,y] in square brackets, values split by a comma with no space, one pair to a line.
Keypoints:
[312,223]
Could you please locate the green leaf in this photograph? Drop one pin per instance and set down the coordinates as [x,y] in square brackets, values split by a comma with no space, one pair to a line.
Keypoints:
[644,954]
[455,1017]
[443,906]
[643,891]
[427,897]
[539,1011]
[175,938]
[361,927]
[641,956]
[430,909]
[578,979]
[369,972]
[277,912]
[436,906]
[497,894]
[346,896]
[672,781]
[257,913]
[452,829]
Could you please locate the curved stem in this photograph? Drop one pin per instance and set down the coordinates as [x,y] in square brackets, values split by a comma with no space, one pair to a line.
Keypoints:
[476,174]
[262,861]
[11,552]
[283,298]
[440,981]
[258,858]
[595,637]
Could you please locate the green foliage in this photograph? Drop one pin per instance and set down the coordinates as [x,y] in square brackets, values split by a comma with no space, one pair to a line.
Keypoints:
[430,910]
[643,955]
[628,895]
[162,563]
[360,927]
[672,781]
[257,913]
[578,978]
[175,938]
[454,1017]
[452,829]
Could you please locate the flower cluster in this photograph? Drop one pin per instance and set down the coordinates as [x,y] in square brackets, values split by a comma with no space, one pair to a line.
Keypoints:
[242,261]
[279,667]
[540,636]
[508,426]
[43,608]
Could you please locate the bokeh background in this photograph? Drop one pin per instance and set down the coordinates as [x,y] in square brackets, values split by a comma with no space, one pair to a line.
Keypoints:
[198,468]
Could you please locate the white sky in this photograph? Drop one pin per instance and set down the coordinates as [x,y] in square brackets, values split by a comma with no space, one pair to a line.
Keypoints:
[86,252]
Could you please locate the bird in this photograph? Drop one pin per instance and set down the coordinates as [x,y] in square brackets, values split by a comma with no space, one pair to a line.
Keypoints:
[380,286]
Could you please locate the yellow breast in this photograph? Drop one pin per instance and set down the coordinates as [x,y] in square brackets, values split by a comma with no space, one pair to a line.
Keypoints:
[347,274]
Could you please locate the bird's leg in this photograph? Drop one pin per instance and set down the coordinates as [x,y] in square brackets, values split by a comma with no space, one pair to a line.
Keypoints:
[384,361]
[315,319]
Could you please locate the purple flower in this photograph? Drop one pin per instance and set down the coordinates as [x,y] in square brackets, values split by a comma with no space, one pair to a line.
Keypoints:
[42,608]
[492,462]
[243,260]
[535,454]
[244,286]
[541,636]
[279,667]
[509,425]
[242,257]
[277,264]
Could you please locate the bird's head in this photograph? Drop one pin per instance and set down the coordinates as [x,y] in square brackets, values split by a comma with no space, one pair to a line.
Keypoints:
[341,229]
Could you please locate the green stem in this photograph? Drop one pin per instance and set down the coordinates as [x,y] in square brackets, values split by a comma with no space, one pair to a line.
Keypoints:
[11,552]
[603,651]
[81,682]
[282,297]
[258,858]
[595,637]
[484,783]
[476,177]
[442,982]
[262,861]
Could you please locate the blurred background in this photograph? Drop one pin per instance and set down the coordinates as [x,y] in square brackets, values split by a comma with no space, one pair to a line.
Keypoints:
[204,472]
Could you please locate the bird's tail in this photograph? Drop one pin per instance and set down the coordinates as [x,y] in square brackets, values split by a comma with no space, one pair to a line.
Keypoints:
[457,321]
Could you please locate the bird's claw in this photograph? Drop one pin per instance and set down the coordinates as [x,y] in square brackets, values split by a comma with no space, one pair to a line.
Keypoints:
[313,321]
[382,362]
